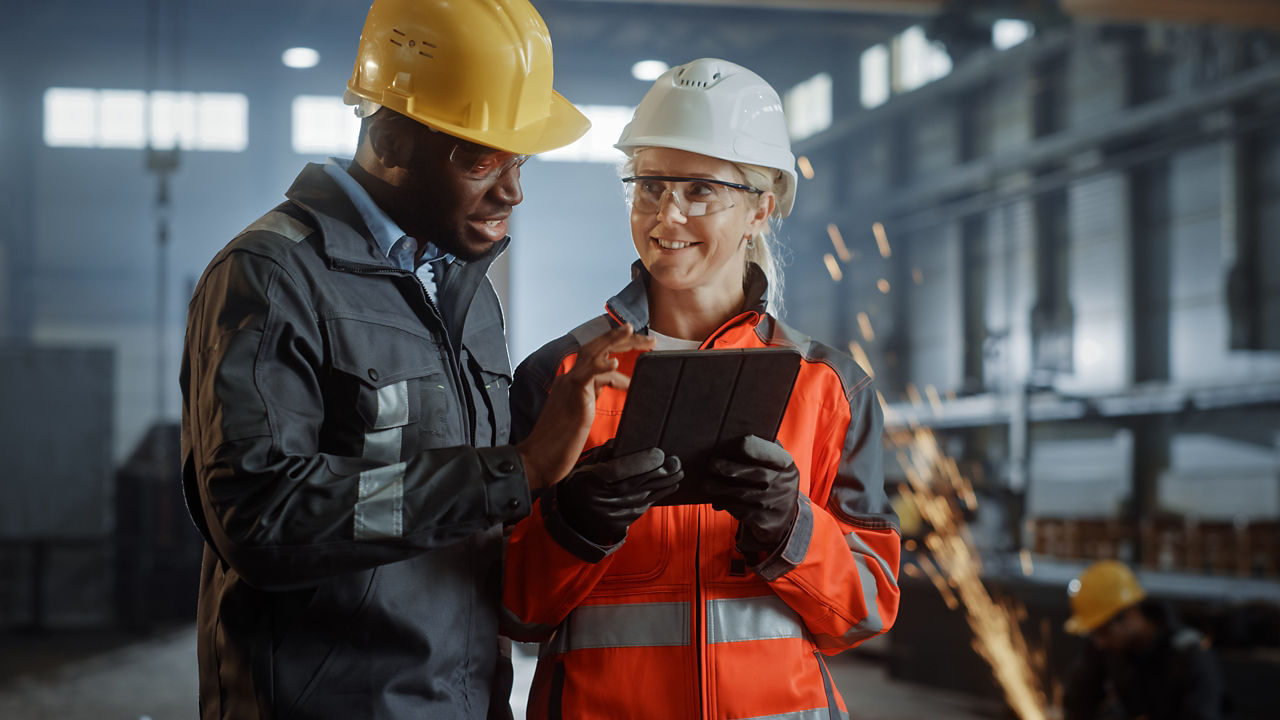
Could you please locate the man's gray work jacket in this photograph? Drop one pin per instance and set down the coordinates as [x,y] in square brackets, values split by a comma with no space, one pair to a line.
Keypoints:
[344,456]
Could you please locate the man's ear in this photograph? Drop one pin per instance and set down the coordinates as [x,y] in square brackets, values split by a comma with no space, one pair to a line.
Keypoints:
[391,145]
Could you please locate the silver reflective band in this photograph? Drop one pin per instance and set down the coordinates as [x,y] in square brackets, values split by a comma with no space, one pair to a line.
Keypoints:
[754,618]
[860,546]
[623,625]
[379,510]
[383,445]
[821,713]
[872,624]
[280,224]
[393,405]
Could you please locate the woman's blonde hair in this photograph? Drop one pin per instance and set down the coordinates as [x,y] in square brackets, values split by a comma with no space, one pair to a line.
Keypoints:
[763,248]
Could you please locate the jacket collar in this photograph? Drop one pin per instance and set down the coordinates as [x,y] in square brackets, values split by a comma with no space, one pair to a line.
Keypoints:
[346,238]
[631,305]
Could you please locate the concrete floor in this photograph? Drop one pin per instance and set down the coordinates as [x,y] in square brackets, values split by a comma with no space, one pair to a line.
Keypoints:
[44,678]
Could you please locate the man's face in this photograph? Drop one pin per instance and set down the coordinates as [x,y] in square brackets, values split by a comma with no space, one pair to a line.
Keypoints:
[455,193]
[1120,633]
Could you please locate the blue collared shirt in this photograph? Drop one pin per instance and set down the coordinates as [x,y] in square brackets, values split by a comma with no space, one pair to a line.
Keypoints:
[399,248]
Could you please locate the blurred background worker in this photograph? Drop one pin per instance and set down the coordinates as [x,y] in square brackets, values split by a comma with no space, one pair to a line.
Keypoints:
[722,608]
[1139,661]
[345,413]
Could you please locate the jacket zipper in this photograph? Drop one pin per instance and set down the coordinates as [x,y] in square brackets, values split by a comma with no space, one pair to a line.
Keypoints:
[699,618]
[459,384]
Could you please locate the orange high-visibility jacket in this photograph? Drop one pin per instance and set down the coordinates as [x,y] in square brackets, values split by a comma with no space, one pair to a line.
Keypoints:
[673,622]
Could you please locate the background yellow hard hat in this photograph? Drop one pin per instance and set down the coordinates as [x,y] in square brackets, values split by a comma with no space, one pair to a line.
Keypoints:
[479,70]
[1102,590]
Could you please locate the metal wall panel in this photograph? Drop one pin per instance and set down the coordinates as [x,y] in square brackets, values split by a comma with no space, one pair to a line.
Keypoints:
[935,310]
[1095,80]
[56,482]
[1099,283]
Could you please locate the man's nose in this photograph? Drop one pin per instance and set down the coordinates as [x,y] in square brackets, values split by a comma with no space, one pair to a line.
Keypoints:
[507,187]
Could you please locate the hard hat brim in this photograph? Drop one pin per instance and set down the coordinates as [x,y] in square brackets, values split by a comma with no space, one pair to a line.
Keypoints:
[563,125]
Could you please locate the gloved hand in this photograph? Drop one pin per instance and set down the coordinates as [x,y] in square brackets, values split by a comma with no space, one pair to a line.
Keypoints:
[757,482]
[604,495]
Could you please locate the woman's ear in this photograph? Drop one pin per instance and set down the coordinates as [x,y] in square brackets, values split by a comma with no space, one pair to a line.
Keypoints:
[763,211]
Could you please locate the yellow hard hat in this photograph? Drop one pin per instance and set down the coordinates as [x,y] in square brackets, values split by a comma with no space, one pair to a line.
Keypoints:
[479,70]
[1102,590]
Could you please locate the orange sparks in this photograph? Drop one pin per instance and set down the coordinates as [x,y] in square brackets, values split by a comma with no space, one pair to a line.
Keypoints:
[864,324]
[837,241]
[833,267]
[883,285]
[882,240]
[806,168]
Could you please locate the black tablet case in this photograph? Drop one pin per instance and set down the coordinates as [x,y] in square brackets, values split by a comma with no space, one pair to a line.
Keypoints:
[688,402]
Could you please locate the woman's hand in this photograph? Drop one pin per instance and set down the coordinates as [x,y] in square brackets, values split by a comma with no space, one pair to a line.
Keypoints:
[757,482]
[558,436]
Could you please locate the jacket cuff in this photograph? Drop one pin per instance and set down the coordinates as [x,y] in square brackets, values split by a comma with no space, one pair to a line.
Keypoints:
[566,536]
[507,489]
[791,552]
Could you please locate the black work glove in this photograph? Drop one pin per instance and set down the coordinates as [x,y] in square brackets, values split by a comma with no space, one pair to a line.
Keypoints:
[756,481]
[604,495]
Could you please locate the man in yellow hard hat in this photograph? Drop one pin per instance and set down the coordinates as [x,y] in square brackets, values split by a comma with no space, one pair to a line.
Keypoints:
[1139,662]
[345,416]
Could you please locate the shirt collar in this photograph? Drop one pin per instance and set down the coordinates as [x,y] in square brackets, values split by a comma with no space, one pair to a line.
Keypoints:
[398,247]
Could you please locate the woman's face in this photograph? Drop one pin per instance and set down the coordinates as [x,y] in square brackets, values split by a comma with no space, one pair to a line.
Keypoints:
[684,252]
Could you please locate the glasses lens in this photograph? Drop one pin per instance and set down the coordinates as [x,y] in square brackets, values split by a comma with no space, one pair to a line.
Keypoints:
[479,162]
[693,198]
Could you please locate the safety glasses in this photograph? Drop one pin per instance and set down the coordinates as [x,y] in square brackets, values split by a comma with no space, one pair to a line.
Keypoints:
[694,197]
[481,163]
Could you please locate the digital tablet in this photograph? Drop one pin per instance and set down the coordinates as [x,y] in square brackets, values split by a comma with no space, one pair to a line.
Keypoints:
[689,402]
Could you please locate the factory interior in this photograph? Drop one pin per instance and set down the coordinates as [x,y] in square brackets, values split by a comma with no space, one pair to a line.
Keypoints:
[1049,229]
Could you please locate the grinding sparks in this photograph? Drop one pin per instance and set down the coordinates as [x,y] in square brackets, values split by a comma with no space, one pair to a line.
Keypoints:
[860,357]
[882,240]
[806,168]
[917,277]
[833,267]
[864,324]
[837,241]
[883,286]
[942,495]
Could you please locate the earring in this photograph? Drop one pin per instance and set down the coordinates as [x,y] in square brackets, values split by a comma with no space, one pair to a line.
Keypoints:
[751,242]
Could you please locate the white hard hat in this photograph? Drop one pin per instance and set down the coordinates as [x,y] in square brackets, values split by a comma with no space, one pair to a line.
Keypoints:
[720,109]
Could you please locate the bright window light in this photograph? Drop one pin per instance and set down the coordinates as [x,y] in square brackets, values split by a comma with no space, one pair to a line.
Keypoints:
[120,118]
[607,122]
[323,125]
[85,117]
[70,117]
[1007,33]
[808,107]
[917,61]
[874,67]
[300,58]
[648,70]
[222,121]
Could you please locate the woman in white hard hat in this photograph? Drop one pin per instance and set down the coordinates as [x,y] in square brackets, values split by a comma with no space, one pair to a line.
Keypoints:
[723,609]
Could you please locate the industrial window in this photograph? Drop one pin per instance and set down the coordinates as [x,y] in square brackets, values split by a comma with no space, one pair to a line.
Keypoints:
[607,122]
[93,118]
[917,61]
[808,107]
[1008,33]
[324,125]
[874,66]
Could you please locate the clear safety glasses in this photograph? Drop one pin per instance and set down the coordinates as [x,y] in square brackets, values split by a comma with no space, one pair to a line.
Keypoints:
[481,163]
[694,197]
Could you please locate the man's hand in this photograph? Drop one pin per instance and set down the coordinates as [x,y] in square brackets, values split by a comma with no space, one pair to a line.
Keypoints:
[558,436]
[756,481]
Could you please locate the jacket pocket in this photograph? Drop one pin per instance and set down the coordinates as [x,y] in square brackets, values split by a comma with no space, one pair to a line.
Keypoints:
[490,354]
[387,375]
[644,555]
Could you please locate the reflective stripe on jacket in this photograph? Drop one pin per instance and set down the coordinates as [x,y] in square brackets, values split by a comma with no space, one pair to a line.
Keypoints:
[672,622]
